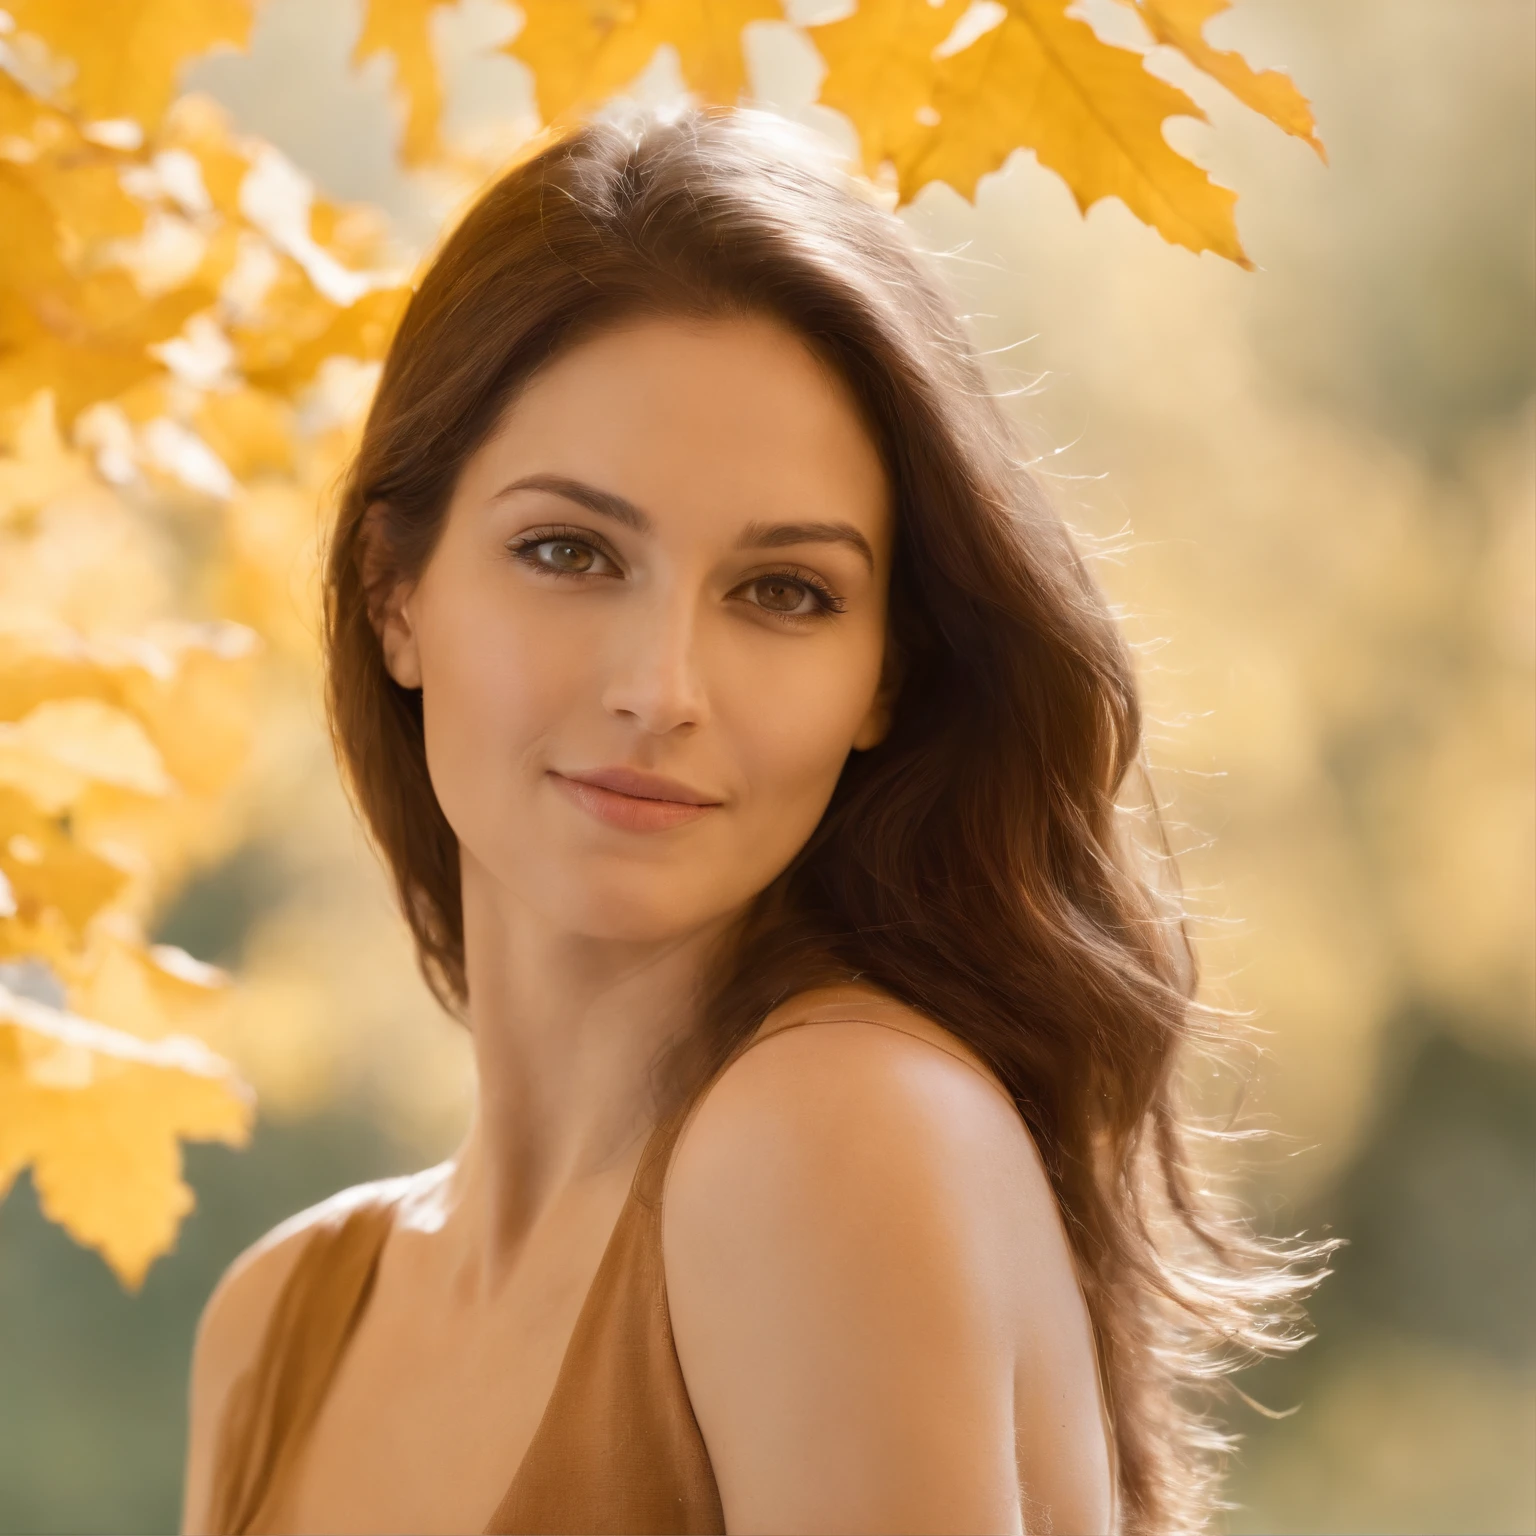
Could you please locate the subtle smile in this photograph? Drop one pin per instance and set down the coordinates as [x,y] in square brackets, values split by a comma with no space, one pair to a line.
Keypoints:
[633,812]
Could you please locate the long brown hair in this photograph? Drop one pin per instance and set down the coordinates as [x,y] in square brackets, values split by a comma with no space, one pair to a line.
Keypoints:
[976,863]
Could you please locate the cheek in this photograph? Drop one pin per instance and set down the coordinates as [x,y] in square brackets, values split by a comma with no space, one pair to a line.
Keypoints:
[492,688]
[793,733]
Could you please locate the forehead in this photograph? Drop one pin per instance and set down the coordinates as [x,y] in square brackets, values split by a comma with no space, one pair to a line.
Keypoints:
[726,419]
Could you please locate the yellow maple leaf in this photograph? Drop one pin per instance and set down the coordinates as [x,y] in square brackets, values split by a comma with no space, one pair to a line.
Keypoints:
[880,70]
[43,935]
[1181,24]
[29,257]
[297,278]
[199,126]
[186,687]
[35,464]
[84,337]
[1090,111]
[270,576]
[80,179]
[193,698]
[24,120]
[251,430]
[186,684]
[127,53]
[52,753]
[47,871]
[79,369]
[148,991]
[298,328]
[581,51]
[100,262]
[403,29]
[99,1115]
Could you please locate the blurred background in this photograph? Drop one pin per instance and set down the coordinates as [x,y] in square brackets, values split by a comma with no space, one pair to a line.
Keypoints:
[1312,490]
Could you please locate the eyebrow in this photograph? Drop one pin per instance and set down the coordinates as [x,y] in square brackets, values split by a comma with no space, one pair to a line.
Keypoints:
[754,536]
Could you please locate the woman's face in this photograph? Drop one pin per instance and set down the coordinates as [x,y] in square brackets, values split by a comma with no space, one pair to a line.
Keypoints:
[671,557]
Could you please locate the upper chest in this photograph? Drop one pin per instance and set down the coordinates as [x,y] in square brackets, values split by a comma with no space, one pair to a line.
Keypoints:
[437,1394]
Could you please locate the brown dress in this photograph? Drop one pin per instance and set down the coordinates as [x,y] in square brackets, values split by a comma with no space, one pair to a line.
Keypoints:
[617,1449]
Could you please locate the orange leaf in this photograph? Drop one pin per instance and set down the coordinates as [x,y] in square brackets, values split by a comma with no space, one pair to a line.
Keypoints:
[128,53]
[98,1114]
[581,51]
[403,29]
[1044,81]
[1180,24]
[880,70]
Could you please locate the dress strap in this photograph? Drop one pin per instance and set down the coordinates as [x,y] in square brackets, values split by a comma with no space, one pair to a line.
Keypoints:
[274,1402]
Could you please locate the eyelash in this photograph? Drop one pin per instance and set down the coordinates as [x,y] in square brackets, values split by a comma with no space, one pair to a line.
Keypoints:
[827,601]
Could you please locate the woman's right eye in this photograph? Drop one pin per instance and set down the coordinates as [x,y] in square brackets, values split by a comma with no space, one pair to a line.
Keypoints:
[559,555]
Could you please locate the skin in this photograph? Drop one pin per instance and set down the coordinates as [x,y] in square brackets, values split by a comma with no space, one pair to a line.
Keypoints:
[874,1374]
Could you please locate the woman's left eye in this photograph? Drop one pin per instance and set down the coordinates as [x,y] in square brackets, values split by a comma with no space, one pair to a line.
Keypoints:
[793,597]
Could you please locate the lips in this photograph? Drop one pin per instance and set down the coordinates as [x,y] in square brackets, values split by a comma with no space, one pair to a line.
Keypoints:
[642,785]
[633,800]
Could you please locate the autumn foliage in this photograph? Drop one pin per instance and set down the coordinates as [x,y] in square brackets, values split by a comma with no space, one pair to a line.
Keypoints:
[187,339]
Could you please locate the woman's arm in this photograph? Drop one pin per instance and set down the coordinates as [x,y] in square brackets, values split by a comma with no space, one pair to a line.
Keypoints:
[861,1248]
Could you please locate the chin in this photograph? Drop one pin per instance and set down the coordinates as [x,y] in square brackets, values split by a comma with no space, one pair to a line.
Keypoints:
[635,911]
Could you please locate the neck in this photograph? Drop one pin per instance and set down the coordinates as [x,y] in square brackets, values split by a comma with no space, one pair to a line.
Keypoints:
[567,1030]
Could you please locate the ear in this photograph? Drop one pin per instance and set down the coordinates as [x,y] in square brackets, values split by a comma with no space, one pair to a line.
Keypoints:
[387,597]
[876,724]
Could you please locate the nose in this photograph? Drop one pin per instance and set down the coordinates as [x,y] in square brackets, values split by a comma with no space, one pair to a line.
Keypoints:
[654,677]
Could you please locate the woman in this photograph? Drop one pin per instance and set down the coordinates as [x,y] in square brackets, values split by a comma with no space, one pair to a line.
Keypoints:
[742,733]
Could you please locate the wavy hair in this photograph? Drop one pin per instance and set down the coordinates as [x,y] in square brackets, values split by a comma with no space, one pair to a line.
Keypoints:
[976,863]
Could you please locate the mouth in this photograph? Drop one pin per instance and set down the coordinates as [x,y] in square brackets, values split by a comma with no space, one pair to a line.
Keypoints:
[634,801]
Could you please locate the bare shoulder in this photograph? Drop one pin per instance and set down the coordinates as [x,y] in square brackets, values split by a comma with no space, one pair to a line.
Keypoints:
[890,1095]
[232,1324]
[859,1240]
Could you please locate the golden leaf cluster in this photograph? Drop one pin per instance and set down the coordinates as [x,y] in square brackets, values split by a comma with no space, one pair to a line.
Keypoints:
[941,90]
[945,90]
[188,336]
[186,332]
[98,1113]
